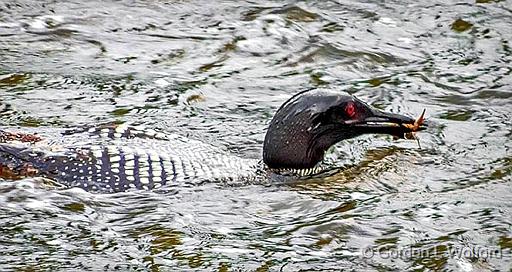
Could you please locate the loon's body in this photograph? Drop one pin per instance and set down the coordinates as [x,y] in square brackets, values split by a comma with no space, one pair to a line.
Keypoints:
[119,158]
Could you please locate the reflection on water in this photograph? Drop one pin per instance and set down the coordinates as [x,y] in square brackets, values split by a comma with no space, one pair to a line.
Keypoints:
[212,70]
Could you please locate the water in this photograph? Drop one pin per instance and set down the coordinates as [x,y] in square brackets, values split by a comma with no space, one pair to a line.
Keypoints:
[216,72]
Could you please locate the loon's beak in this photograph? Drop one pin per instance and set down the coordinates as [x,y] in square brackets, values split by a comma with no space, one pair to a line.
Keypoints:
[390,123]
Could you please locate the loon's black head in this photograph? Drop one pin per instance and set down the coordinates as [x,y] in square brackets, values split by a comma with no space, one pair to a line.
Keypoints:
[310,122]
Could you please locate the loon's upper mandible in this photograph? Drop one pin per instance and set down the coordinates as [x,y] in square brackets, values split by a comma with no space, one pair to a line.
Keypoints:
[119,158]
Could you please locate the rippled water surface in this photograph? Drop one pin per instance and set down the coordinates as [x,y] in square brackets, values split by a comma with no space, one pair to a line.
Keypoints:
[217,71]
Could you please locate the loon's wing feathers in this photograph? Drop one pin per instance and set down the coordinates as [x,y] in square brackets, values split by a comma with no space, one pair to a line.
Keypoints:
[122,131]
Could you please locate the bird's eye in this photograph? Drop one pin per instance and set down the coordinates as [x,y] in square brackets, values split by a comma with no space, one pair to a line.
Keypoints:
[350,110]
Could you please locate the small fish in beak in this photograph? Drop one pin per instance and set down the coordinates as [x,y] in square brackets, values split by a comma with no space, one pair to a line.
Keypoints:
[415,127]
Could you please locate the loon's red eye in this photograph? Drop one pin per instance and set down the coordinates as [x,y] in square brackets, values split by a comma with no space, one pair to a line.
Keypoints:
[350,110]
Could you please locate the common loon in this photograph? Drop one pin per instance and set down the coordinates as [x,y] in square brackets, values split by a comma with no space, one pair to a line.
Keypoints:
[118,158]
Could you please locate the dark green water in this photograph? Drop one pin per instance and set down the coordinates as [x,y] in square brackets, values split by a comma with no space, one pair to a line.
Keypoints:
[445,207]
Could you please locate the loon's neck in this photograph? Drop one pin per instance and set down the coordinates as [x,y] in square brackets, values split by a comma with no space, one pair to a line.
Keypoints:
[299,172]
